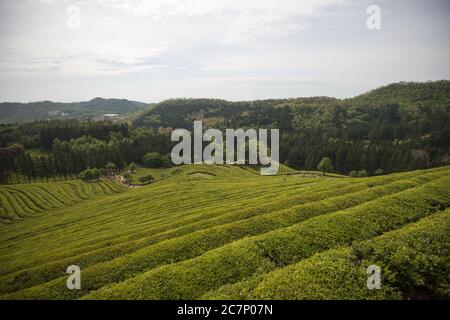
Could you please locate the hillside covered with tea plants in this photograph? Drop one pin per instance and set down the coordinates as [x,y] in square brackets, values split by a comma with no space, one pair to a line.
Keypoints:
[225,232]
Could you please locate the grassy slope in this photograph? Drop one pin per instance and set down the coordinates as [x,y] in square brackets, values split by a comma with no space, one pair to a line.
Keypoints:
[200,172]
[25,200]
[406,256]
[157,241]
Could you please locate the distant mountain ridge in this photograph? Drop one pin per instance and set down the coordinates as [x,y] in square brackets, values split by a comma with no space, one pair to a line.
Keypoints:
[11,112]
[175,112]
[414,101]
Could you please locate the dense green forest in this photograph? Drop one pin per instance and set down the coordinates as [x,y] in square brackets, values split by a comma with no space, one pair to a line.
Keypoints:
[11,112]
[399,127]
[61,148]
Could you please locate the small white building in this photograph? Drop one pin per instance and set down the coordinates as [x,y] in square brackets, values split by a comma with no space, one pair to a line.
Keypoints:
[111,116]
[57,113]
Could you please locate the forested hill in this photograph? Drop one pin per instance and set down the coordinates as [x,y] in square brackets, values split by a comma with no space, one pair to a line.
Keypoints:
[407,93]
[401,126]
[20,112]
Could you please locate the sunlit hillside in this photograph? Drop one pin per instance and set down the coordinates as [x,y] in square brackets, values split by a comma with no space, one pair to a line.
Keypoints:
[227,232]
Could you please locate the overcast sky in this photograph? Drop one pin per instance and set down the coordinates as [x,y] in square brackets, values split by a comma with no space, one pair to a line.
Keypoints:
[151,50]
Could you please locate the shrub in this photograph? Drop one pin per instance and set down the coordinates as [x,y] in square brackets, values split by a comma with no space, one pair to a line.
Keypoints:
[146,179]
[132,167]
[96,173]
[378,172]
[127,177]
[167,161]
[90,175]
[362,173]
[86,175]
[353,174]
[156,160]
[153,160]
[325,165]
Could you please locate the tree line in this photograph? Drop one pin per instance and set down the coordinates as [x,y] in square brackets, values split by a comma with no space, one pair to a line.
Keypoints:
[403,126]
[75,147]
[399,127]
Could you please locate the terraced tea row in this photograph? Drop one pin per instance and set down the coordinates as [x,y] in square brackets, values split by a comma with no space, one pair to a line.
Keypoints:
[141,212]
[214,232]
[150,253]
[191,278]
[105,251]
[307,194]
[25,200]
[413,262]
[185,237]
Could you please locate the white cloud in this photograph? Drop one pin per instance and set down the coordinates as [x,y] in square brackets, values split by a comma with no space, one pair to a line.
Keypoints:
[236,20]
[78,58]
[130,36]
[157,49]
[270,9]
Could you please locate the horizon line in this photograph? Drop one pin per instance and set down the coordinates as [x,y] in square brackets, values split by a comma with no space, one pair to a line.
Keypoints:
[230,100]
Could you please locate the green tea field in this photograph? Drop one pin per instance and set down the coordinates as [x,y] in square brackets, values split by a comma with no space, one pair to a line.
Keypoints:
[225,232]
